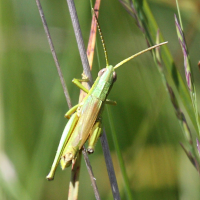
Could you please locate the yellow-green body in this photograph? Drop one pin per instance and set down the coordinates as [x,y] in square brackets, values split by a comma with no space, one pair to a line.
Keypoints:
[84,121]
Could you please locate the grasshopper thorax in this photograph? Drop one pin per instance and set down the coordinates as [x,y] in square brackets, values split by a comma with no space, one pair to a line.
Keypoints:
[104,82]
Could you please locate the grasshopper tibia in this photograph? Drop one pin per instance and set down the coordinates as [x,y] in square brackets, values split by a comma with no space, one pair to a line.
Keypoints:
[94,136]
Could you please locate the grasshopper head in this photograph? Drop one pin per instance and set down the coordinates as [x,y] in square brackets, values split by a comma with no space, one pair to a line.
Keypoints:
[104,82]
[108,74]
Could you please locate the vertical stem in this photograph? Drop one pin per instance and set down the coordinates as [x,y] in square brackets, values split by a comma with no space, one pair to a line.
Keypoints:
[74,182]
[54,53]
[79,39]
[109,165]
[93,180]
[85,64]
[86,67]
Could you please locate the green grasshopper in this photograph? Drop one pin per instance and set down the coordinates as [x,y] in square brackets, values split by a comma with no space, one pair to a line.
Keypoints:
[85,121]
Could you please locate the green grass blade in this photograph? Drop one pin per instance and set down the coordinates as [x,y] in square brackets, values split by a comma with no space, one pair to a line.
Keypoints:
[188,70]
[149,26]
[119,157]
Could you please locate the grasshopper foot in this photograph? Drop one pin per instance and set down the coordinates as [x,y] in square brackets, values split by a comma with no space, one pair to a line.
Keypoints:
[84,77]
[50,176]
[90,150]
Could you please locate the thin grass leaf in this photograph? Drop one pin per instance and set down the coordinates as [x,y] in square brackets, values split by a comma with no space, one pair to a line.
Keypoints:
[179,114]
[191,157]
[182,42]
[54,54]
[91,44]
[198,145]
[188,71]
[119,157]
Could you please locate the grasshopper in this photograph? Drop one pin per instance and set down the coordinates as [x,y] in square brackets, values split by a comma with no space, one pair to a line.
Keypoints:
[85,118]
[85,121]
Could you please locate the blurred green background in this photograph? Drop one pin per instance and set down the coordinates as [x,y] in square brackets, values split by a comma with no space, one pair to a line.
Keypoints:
[32,103]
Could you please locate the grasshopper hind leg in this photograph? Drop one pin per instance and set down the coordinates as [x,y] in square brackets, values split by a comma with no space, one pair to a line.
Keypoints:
[94,136]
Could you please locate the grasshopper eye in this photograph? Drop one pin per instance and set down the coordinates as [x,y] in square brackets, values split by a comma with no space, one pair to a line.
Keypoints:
[101,72]
[114,76]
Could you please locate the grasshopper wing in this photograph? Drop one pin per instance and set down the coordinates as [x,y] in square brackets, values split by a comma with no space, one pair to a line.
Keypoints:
[88,116]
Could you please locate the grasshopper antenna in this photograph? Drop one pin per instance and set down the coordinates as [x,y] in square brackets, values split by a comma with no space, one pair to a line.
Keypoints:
[101,36]
[137,54]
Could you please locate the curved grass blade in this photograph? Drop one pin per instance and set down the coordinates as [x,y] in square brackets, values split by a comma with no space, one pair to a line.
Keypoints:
[188,71]
[119,157]
[147,24]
